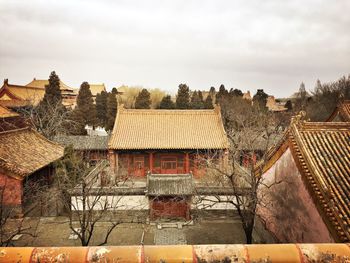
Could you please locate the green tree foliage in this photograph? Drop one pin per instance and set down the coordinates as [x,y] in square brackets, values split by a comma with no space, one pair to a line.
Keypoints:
[326,97]
[112,107]
[52,90]
[260,99]
[236,92]
[167,103]
[101,108]
[143,100]
[183,97]
[85,111]
[115,91]
[212,91]
[221,95]
[197,100]
[47,117]
[208,103]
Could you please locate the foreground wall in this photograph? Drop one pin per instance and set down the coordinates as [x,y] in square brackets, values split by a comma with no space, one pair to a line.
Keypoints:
[201,253]
[11,194]
[287,206]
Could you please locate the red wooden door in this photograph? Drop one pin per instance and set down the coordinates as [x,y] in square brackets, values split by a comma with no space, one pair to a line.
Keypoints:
[169,165]
[139,166]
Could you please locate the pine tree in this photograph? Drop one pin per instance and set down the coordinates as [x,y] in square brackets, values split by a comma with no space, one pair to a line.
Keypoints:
[143,100]
[221,95]
[197,101]
[236,92]
[52,90]
[260,99]
[85,111]
[208,103]
[288,105]
[167,103]
[101,108]
[112,107]
[183,97]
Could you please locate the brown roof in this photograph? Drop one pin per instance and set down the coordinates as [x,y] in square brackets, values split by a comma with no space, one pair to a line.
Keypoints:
[169,184]
[168,129]
[41,83]
[322,153]
[6,113]
[24,151]
[97,88]
[342,110]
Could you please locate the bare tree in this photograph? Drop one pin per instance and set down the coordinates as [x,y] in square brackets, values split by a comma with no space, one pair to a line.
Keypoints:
[85,194]
[251,132]
[9,226]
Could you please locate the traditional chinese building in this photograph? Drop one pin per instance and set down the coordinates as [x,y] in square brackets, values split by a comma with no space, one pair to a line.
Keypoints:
[306,184]
[165,141]
[169,148]
[26,159]
[91,148]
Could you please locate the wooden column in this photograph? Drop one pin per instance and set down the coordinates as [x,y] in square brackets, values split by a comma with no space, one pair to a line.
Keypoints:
[187,163]
[151,162]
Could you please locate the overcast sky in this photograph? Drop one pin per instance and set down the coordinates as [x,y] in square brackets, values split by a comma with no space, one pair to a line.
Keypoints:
[272,44]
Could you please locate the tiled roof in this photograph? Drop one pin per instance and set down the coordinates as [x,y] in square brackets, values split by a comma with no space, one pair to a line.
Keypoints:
[322,153]
[6,113]
[97,88]
[25,151]
[84,142]
[169,184]
[41,83]
[17,95]
[342,110]
[168,129]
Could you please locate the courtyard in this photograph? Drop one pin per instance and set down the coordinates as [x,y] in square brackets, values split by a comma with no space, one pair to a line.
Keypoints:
[55,231]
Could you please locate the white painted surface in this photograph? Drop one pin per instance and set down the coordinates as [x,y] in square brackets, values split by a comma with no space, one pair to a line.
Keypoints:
[128,202]
[212,202]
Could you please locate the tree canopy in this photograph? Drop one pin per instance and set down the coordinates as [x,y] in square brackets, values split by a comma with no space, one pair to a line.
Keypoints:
[183,97]
[143,100]
[167,103]
[112,106]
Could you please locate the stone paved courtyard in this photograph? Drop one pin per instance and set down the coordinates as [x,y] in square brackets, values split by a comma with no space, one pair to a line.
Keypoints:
[55,231]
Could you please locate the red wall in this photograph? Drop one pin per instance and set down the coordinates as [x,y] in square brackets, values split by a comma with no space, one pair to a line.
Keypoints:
[12,194]
[287,206]
[170,207]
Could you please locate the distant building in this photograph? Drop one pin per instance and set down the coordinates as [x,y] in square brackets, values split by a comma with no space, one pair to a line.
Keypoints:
[15,96]
[305,192]
[97,89]
[91,148]
[247,96]
[69,94]
[26,159]
[273,106]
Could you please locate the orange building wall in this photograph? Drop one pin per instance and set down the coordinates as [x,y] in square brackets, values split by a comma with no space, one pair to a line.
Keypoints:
[287,206]
[12,194]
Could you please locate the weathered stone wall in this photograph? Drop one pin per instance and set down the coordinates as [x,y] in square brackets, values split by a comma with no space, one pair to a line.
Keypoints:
[287,206]
[12,193]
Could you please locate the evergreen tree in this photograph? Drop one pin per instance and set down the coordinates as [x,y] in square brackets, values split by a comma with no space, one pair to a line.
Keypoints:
[183,97]
[196,101]
[115,91]
[52,90]
[101,108]
[236,92]
[167,103]
[212,91]
[208,103]
[112,107]
[221,95]
[143,100]
[260,99]
[85,111]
